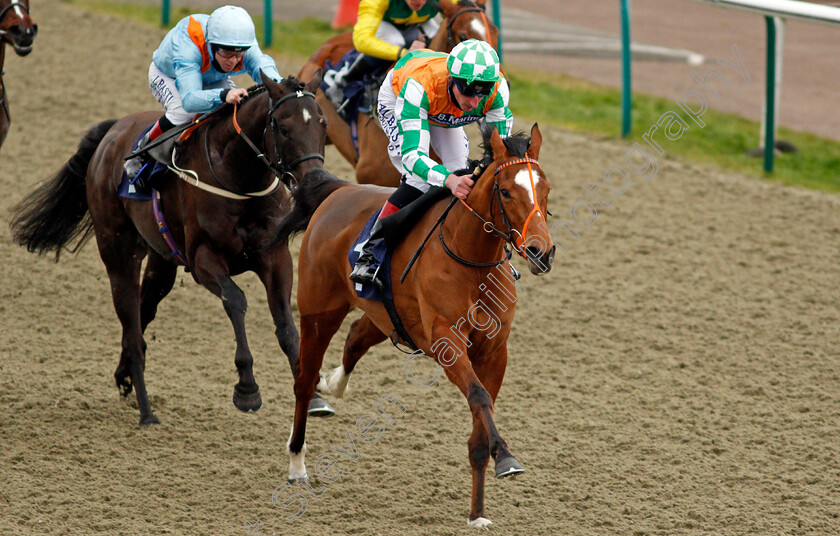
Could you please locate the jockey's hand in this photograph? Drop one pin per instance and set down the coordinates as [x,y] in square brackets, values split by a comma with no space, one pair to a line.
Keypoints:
[461,185]
[418,44]
[236,95]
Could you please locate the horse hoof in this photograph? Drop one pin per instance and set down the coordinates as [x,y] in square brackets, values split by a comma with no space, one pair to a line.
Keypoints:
[479,522]
[318,407]
[508,467]
[149,420]
[248,403]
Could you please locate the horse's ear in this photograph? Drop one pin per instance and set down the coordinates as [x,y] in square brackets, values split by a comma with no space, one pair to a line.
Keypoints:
[448,7]
[267,81]
[500,152]
[536,142]
[314,82]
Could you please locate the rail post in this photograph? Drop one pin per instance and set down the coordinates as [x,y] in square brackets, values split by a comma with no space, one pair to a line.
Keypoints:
[626,83]
[497,20]
[268,20]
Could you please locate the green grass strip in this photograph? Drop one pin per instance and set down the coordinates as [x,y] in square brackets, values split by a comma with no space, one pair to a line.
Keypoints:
[573,104]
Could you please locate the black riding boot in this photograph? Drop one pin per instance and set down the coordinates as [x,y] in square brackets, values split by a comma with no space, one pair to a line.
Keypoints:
[133,166]
[366,270]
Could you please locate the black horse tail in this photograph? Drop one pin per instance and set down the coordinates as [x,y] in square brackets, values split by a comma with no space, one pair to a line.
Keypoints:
[56,213]
[316,186]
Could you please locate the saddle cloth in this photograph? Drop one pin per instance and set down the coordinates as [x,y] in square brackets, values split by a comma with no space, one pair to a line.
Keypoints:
[383,259]
[140,189]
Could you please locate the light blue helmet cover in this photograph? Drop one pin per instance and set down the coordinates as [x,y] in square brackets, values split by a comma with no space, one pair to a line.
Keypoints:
[231,27]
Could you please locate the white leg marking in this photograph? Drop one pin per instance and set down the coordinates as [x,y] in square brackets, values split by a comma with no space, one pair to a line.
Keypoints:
[297,467]
[479,523]
[337,383]
[523,179]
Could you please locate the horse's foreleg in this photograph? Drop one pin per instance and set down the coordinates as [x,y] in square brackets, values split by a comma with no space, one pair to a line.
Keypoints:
[212,273]
[276,273]
[158,279]
[485,440]
[316,331]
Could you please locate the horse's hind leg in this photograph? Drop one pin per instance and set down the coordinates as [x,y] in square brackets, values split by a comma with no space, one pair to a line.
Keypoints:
[363,334]
[158,279]
[122,255]
[276,273]
[210,269]
[316,331]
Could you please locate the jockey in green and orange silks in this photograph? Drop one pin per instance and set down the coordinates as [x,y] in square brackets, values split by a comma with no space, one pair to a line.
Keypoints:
[424,103]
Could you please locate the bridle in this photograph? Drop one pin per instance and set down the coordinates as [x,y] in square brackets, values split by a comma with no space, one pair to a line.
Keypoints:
[512,236]
[450,35]
[3,101]
[282,170]
[12,4]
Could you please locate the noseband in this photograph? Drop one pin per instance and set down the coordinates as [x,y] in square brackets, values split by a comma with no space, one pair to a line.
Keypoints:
[285,169]
[512,236]
[451,36]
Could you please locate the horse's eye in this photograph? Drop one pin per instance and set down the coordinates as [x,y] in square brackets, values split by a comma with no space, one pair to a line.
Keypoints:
[505,193]
[283,130]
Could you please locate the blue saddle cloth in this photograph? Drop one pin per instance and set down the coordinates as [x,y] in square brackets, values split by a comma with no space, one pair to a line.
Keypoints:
[382,256]
[140,188]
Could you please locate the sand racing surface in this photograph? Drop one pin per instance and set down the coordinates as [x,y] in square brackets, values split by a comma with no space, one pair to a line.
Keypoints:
[677,372]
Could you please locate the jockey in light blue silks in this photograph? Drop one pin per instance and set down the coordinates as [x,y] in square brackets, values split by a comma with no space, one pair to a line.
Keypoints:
[191,69]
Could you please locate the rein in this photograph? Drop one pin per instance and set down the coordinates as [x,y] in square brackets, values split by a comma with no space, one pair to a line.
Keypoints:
[512,236]
[14,3]
[3,99]
[280,169]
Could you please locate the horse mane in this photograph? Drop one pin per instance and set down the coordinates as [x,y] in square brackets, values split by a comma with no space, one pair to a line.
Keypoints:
[315,187]
[291,82]
[516,144]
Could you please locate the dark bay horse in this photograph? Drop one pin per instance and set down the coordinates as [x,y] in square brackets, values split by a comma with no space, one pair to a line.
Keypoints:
[444,302]
[464,19]
[17,30]
[217,234]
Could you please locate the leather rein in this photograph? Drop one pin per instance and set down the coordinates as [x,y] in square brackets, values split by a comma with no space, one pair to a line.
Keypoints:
[3,12]
[512,237]
[282,171]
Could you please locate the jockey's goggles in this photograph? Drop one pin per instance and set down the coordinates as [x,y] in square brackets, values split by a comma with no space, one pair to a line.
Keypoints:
[477,88]
[227,53]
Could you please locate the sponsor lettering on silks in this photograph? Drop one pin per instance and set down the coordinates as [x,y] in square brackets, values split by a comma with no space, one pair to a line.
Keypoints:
[452,121]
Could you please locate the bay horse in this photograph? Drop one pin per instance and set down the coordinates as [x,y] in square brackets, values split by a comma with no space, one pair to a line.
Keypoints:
[464,19]
[444,302]
[217,223]
[18,30]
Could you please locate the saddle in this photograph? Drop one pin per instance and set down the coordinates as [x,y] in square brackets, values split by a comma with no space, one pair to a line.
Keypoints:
[160,154]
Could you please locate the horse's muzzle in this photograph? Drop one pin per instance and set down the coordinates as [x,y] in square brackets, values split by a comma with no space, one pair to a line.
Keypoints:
[21,38]
[538,262]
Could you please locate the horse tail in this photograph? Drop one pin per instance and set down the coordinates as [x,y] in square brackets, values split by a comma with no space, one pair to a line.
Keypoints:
[56,213]
[316,186]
